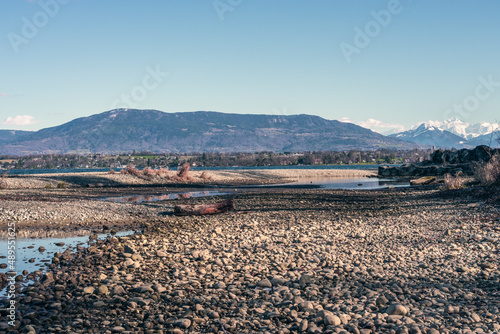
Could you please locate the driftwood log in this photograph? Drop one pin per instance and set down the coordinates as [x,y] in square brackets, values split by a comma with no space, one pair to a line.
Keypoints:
[203,209]
[423,181]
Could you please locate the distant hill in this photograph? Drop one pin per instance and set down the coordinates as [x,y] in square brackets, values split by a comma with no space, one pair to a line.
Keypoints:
[490,139]
[125,130]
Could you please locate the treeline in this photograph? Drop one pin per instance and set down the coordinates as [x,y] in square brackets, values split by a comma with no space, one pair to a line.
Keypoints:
[153,160]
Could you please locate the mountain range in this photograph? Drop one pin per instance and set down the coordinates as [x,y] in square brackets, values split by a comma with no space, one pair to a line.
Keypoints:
[126,130]
[452,133]
[464,129]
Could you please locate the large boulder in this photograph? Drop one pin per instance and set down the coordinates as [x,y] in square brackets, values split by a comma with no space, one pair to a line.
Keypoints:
[478,154]
[442,163]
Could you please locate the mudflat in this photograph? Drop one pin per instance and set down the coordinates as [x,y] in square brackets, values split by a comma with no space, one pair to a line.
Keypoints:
[402,260]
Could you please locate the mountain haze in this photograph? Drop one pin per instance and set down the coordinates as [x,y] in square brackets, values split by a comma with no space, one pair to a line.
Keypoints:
[126,130]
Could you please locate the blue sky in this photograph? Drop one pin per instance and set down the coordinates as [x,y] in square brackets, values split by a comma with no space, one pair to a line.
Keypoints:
[394,62]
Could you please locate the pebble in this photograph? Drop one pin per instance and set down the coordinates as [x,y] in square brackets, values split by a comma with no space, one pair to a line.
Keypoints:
[265,283]
[331,319]
[183,323]
[103,290]
[396,309]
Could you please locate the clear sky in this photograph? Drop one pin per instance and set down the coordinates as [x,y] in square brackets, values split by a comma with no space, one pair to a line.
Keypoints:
[395,62]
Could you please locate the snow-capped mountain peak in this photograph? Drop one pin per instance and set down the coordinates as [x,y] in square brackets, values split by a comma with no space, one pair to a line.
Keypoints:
[461,128]
[452,133]
[482,128]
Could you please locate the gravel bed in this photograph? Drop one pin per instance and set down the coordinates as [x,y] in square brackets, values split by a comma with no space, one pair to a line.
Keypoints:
[413,260]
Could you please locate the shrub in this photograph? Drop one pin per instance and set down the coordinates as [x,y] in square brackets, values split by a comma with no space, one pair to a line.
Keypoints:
[131,170]
[452,183]
[162,172]
[3,181]
[61,185]
[206,176]
[148,172]
[183,172]
[488,172]
[111,171]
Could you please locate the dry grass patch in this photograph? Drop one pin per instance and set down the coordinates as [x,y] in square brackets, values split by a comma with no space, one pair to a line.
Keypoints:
[488,173]
[183,173]
[454,182]
[206,176]
[3,181]
[131,170]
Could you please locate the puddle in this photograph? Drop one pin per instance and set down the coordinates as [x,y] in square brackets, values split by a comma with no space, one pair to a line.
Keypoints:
[29,258]
[163,197]
[323,183]
[363,183]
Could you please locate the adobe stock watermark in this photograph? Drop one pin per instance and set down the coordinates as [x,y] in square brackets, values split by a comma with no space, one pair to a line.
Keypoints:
[31,27]
[483,91]
[224,6]
[11,274]
[372,29]
[139,93]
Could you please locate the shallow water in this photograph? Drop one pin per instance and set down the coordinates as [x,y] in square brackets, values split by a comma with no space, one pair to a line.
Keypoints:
[27,249]
[164,197]
[364,183]
[87,170]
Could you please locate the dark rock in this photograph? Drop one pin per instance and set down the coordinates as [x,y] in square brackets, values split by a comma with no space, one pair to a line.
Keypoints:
[48,278]
[442,163]
[480,153]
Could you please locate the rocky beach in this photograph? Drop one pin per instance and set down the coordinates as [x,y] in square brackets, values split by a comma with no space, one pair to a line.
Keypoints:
[400,260]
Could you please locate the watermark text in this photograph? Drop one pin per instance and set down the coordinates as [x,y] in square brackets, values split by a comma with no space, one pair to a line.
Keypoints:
[31,26]
[483,91]
[224,6]
[150,82]
[372,29]
[11,274]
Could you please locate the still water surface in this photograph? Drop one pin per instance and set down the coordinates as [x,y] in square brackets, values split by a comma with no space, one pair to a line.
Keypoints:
[90,170]
[27,249]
